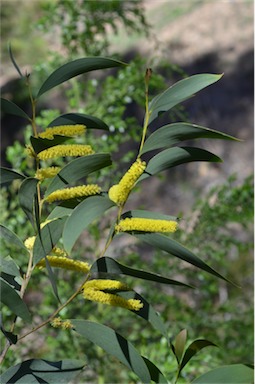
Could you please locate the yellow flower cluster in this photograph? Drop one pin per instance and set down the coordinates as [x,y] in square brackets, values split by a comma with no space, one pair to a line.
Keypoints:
[47,173]
[62,130]
[71,193]
[65,150]
[65,263]
[119,192]
[146,225]
[94,290]
[57,322]
[29,242]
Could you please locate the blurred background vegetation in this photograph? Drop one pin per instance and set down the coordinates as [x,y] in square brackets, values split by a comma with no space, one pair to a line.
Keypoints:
[214,201]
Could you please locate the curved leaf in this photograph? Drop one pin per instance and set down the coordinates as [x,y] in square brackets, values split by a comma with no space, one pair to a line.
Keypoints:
[171,134]
[27,194]
[91,122]
[11,108]
[192,349]
[42,371]
[40,144]
[180,91]
[228,374]
[14,61]
[179,345]
[156,374]
[174,248]
[110,266]
[8,265]
[60,211]
[147,215]
[75,68]
[10,237]
[86,212]
[114,344]
[172,157]
[8,175]
[77,169]
[12,300]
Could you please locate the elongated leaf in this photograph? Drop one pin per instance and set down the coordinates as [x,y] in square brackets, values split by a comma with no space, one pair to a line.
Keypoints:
[114,344]
[8,175]
[174,248]
[172,134]
[179,345]
[110,266]
[75,68]
[86,212]
[156,374]
[10,237]
[60,211]
[50,234]
[52,279]
[27,193]
[193,348]
[91,122]
[147,215]
[40,144]
[14,61]
[9,266]
[172,157]
[12,300]
[42,371]
[147,312]
[228,374]
[180,91]
[11,108]
[77,169]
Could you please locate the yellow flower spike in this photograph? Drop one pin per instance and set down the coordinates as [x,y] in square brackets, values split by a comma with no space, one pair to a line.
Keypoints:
[46,173]
[65,150]
[29,242]
[92,290]
[146,225]
[65,263]
[70,193]
[63,130]
[119,193]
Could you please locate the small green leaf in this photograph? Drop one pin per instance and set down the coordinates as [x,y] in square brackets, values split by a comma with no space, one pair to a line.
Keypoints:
[8,175]
[12,300]
[42,371]
[180,91]
[180,342]
[139,213]
[108,265]
[11,108]
[86,212]
[156,374]
[228,374]
[10,237]
[14,61]
[75,68]
[172,157]
[27,193]
[91,122]
[172,134]
[193,348]
[8,265]
[77,169]
[114,344]
[40,144]
[48,238]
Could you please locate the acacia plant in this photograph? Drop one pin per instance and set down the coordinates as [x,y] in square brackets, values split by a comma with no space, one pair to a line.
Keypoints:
[60,202]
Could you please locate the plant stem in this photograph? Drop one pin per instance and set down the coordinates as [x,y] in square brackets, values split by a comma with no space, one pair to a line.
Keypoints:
[147,112]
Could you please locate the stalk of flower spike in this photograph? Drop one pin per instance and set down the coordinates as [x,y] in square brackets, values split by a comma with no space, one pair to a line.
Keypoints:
[119,192]
[65,263]
[46,173]
[63,130]
[146,225]
[73,192]
[94,290]
[65,150]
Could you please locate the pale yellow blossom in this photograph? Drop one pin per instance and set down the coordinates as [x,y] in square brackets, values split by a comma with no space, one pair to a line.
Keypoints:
[47,173]
[63,130]
[65,263]
[65,150]
[146,225]
[73,192]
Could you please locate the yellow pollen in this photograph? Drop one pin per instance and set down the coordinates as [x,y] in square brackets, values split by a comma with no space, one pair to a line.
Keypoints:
[47,173]
[65,150]
[146,225]
[62,130]
[65,263]
[73,192]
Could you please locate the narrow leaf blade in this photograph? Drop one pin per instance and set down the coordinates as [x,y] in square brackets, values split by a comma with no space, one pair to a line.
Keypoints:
[91,122]
[40,144]
[193,348]
[156,375]
[10,237]
[234,374]
[27,193]
[8,175]
[11,108]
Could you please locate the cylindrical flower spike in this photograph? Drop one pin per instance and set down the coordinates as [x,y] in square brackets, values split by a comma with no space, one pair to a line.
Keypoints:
[146,225]
[119,192]
[73,192]
[65,263]
[65,150]
[63,130]
[47,173]
[98,290]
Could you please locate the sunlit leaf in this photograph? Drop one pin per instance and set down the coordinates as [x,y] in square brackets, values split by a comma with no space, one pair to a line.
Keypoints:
[10,237]
[27,193]
[228,374]
[107,265]
[77,169]
[43,371]
[75,68]
[84,214]
[172,134]
[156,374]
[11,108]
[193,348]
[8,175]
[180,91]
[91,122]
[13,301]
[114,344]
